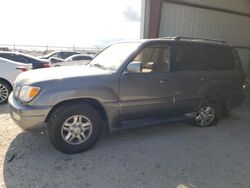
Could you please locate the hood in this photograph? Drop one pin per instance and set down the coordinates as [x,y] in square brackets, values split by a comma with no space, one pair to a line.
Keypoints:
[58,73]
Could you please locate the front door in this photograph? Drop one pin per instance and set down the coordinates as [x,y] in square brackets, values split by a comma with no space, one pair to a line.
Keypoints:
[149,92]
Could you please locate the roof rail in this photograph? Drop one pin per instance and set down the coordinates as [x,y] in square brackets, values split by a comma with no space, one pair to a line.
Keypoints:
[171,37]
[196,39]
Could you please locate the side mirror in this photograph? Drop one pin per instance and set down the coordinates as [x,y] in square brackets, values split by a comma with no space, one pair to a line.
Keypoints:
[134,67]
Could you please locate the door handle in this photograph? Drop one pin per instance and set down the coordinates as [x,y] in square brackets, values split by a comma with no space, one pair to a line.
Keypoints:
[165,81]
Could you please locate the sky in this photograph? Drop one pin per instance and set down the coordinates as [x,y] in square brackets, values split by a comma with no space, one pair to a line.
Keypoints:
[84,23]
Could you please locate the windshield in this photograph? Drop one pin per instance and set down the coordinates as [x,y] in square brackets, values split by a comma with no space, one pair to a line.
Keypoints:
[113,57]
[51,54]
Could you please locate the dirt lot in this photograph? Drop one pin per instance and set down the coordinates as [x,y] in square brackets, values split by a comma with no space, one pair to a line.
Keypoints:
[175,155]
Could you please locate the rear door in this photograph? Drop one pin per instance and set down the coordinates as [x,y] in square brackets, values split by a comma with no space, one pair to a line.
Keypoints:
[8,70]
[226,71]
[191,78]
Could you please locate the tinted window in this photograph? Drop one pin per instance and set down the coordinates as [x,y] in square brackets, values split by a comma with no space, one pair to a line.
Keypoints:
[13,57]
[56,54]
[5,56]
[82,58]
[59,54]
[220,58]
[25,59]
[190,57]
[64,55]
[151,61]
[77,58]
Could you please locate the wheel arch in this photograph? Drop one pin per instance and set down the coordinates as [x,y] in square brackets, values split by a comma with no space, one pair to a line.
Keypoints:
[7,82]
[213,97]
[93,102]
[218,95]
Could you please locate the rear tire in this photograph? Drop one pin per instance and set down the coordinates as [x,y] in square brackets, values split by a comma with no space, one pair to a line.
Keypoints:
[208,114]
[5,91]
[74,128]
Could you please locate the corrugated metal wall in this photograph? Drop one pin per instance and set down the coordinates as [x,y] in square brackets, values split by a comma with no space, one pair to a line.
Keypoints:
[236,5]
[185,20]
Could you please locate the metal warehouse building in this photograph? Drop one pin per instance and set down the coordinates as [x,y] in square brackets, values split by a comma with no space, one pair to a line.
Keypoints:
[228,20]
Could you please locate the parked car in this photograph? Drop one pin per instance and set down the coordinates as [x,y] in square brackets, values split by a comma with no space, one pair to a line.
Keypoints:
[129,85]
[4,49]
[78,59]
[9,70]
[24,58]
[59,54]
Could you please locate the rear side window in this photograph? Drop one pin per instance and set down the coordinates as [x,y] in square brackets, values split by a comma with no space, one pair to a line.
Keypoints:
[4,56]
[220,58]
[82,58]
[64,55]
[13,57]
[190,58]
[24,59]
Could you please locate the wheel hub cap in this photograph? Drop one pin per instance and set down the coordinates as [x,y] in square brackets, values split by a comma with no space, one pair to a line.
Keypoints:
[76,129]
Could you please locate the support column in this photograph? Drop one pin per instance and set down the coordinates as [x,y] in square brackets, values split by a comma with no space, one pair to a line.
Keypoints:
[155,18]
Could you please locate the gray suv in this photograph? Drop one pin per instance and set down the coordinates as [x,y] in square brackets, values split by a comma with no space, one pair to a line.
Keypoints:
[130,84]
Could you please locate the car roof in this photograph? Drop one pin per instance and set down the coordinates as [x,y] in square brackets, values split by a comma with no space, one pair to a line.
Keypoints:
[17,53]
[75,55]
[71,51]
[5,52]
[181,40]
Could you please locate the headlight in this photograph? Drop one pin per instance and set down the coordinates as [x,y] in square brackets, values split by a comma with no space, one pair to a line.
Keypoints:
[27,93]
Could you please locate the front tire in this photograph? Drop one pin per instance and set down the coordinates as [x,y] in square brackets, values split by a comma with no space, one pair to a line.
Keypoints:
[74,128]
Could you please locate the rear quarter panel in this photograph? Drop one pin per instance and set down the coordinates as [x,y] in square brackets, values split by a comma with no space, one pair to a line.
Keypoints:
[9,72]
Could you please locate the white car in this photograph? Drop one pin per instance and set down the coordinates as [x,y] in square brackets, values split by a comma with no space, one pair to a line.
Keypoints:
[77,59]
[9,70]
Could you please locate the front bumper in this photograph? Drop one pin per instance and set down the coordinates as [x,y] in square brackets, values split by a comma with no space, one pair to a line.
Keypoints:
[27,117]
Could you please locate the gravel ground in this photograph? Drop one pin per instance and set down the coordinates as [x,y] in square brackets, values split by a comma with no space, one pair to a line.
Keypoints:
[174,155]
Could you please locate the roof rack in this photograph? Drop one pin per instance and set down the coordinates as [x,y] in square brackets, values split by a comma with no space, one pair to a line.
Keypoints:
[195,39]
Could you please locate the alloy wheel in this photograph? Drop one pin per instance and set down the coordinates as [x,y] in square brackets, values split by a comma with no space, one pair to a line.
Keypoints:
[76,129]
[4,93]
[205,116]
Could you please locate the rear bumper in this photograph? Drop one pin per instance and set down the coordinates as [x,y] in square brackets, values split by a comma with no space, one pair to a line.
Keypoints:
[27,117]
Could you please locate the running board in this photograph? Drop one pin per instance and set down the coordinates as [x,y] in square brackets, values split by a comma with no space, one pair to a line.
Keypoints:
[136,123]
